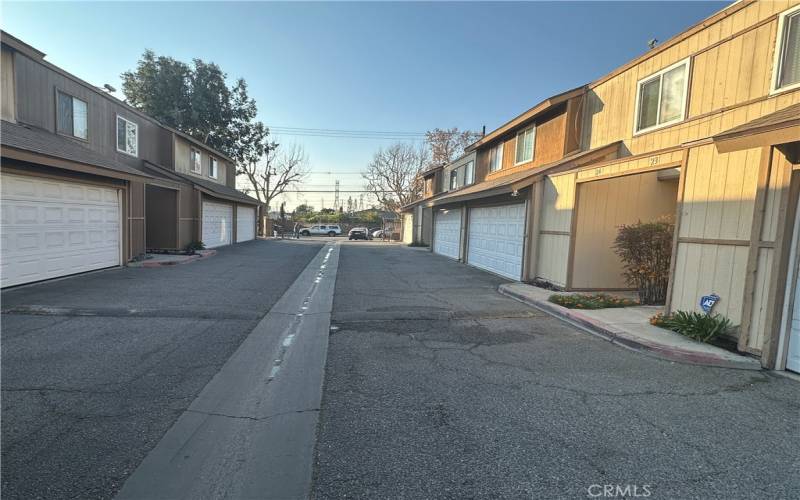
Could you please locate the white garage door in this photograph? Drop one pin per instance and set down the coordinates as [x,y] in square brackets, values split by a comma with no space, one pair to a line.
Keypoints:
[245,223]
[217,224]
[447,233]
[52,228]
[496,238]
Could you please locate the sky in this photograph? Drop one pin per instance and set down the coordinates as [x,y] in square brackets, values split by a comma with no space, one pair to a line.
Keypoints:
[370,66]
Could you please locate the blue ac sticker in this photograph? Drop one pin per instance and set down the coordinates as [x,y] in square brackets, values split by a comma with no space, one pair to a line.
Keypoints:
[707,302]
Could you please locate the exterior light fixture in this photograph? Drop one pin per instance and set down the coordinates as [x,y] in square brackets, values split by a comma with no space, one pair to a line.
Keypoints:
[515,193]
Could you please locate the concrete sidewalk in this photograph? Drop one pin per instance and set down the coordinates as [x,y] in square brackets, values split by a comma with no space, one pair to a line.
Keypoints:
[630,327]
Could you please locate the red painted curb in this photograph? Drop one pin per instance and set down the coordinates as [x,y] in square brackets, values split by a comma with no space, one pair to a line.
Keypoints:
[623,339]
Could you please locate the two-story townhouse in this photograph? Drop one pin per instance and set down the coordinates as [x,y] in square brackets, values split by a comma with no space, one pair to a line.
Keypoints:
[709,130]
[486,223]
[417,217]
[203,203]
[79,169]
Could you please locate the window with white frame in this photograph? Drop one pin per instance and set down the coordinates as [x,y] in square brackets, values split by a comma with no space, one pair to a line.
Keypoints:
[453,179]
[525,141]
[786,74]
[194,161]
[469,173]
[496,158]
[212,168]
[127,137]
[661,98]
[72,116]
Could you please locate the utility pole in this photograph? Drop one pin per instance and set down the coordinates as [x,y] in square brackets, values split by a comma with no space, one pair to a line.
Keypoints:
[336,200]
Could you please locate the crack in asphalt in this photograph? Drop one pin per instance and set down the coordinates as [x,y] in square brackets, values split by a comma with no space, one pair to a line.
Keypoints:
[583,393]
[248,417]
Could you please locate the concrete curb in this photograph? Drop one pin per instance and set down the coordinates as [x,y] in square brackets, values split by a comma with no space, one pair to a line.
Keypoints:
[627,340]
[189,258]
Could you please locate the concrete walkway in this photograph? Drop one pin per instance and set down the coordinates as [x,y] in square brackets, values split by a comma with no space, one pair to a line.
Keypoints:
[630,327]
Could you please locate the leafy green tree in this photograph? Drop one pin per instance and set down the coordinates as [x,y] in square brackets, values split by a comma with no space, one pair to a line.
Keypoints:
[161,87]
[303,210]
[196,100]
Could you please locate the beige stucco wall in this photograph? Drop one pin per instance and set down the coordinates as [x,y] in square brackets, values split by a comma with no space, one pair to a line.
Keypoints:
[605,205]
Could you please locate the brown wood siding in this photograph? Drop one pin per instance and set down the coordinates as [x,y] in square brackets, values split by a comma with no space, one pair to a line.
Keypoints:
[7,87]
[183,149]
[188,216]
[136,218]
[230,173]
[548,146]
[36,105]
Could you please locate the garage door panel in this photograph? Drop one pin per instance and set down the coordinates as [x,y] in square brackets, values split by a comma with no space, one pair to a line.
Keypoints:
[53,228]
[496,238]
[217,224]
[245,223]
[447,233]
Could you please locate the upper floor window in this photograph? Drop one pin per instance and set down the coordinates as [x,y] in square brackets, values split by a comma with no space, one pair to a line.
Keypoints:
[127,136]
[525,140]
[469,173]
[72,116]
[194,161]
[453,179]
[496,158]
[661,98]
[212,168]
[787,52]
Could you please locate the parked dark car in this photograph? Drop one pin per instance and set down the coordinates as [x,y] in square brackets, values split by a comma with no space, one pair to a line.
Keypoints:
[358,233]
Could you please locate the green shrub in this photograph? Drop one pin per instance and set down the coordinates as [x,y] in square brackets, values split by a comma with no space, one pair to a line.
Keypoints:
[195,246]
[645,249]
[590,301]
[695,325]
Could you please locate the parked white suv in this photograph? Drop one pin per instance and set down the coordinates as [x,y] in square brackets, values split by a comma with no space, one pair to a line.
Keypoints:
[322,229]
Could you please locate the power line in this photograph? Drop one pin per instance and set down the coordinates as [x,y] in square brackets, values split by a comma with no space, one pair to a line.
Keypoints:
[341,191]
[350,134]
[342,131]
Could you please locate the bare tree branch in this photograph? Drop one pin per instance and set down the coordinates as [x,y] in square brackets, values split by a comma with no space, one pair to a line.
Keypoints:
[279,170]
[392,175]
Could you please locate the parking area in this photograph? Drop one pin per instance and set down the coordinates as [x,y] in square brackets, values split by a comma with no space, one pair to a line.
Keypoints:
[97,367]
[439,387]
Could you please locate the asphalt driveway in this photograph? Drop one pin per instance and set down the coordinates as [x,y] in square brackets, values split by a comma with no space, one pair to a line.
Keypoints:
[438,387]
[89,387]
